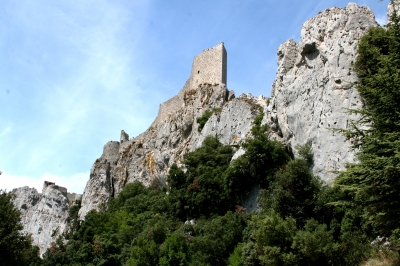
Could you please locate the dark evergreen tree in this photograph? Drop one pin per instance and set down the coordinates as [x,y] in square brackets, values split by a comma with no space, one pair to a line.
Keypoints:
[375,181]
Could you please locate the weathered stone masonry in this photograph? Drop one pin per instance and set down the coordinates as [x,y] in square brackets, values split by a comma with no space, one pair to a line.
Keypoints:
[210,66]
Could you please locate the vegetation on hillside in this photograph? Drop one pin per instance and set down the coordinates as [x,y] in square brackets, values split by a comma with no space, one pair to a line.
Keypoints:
[197,219]
[202,120]
[374,183]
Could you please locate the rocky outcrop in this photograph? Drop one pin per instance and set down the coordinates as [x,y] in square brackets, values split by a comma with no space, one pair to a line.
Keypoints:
[393,5]
[45,216]
[147,158]
[315,85]
[174,132]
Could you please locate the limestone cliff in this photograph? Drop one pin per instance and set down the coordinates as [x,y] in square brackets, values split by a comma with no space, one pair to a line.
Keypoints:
[315,84]
[45,216]
[174,132]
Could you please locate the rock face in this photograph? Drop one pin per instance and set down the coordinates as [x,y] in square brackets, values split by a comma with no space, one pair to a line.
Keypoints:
[315,85]
[174,132]
[393,5]
[45,215]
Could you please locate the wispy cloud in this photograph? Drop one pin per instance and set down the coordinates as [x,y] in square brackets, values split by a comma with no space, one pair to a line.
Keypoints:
[78,66]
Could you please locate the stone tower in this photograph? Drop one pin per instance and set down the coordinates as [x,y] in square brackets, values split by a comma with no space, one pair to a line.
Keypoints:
[209,66]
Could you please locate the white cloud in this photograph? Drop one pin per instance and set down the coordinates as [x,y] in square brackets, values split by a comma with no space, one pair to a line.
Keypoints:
[75,183]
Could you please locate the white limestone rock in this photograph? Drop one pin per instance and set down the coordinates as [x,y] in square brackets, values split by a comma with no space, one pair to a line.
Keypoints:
[393,5]
[45,216]
[315,85]
[100,187]
[147,158]
[232,124]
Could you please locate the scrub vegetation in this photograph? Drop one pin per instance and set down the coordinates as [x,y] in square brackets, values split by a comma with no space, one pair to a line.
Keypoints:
[198,219]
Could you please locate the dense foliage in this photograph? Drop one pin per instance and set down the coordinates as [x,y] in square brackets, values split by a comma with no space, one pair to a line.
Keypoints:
[151,227]
[198,218]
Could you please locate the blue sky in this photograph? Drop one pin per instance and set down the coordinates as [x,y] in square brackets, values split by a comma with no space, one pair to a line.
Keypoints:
[73,74]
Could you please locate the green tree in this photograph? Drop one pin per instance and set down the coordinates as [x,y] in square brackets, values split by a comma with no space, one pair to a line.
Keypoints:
[273,237]
[264,156]
[374,182]
[201,190]
[15,246]
[174,251]
[293,193]
[215,239]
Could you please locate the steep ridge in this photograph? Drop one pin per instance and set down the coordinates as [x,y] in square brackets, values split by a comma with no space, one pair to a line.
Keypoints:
[315,85]
[174,132]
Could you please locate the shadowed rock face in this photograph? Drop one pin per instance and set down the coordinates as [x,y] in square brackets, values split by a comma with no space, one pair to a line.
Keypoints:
[45,216]
[315,85]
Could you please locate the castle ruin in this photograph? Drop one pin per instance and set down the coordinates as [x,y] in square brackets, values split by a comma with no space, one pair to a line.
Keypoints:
[72,197]
[210,66]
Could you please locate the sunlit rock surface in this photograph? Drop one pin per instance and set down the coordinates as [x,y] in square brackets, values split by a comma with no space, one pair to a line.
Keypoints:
[316,84]
[45,216]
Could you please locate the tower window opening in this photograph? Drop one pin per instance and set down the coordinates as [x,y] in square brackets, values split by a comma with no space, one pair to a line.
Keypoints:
[198,72]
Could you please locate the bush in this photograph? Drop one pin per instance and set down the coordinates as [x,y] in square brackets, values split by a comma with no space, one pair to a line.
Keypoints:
[201,190]
[202,120]
[293,193]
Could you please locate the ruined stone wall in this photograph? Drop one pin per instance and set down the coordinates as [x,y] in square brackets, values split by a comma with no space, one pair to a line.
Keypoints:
[167,108]
[63,190]
[171,106]
[73,197]
[210,66]
[124,137]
